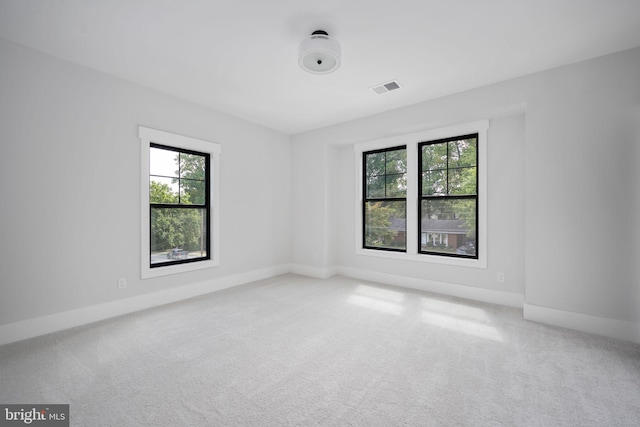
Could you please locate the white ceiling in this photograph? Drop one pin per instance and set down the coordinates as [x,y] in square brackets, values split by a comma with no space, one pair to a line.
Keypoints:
[240,56]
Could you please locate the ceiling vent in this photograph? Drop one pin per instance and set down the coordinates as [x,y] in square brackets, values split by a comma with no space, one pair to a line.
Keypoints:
[386,87]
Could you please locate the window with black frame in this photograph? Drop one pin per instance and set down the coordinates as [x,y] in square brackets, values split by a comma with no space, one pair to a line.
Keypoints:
[179,205]
[384,199]
[448,188]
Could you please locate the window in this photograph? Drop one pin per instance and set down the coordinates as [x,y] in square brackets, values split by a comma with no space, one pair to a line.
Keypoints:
[180,203]
[423,196]
[385,191]
[448,188]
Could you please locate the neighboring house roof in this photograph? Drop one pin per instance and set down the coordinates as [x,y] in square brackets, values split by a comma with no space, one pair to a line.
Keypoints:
[448,226]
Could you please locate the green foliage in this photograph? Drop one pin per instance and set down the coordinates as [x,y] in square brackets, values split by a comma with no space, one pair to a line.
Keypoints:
[467,213]
[175,228]
[379,217]
[386,174]
[449,168]
[192,179]
[161,193]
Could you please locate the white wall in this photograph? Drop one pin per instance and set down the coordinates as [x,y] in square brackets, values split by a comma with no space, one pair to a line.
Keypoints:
[313,199]
[580,245]
[563,189]
[69,179]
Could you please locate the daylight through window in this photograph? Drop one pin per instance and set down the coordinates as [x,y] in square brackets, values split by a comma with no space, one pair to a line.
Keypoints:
[385,192]
[178,205]
[448,188]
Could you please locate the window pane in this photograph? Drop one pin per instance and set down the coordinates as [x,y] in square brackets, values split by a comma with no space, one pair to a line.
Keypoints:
[163,162]
[448,226]
[192,166]
[385,225]
[396,162]
[192,192]
[192,183]
[462,181]
[375,164]
[396,185]
[386,173]
[163,190]
[177,234]
[462,153]
[375,186]
[434,156]
[434,182]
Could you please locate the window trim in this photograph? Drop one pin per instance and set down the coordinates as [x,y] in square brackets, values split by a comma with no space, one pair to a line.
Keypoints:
[150,136]
[412,140]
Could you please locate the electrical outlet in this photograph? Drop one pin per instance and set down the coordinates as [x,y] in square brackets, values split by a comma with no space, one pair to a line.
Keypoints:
[122,283]
[501,277]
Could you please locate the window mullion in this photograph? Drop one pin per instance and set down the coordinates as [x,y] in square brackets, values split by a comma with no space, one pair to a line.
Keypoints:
[179,176]
[412,202]
[446,171]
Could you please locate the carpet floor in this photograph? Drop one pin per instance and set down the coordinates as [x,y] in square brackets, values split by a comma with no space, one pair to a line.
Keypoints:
[295,351]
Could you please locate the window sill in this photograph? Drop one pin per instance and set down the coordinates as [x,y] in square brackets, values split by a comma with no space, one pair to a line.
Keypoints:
[432,259]
[148,272]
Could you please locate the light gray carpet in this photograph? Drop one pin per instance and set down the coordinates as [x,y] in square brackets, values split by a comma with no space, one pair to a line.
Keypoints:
[337,352]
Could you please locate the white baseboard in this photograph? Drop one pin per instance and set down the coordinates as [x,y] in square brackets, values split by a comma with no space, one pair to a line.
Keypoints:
[21,330]
[315,272]
[462,291]
[613,328]
[30,328]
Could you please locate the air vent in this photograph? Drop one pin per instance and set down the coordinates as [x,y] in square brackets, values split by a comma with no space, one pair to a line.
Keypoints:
[386,87]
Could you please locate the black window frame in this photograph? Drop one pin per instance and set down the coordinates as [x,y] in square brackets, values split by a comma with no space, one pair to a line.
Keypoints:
[475,197]
[366,199]
[206,206]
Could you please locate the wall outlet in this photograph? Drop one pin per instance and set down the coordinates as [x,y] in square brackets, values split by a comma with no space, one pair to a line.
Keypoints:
[122,283]
[501,277]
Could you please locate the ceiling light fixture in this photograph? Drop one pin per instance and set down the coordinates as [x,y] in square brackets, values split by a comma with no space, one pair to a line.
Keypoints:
[319,53]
